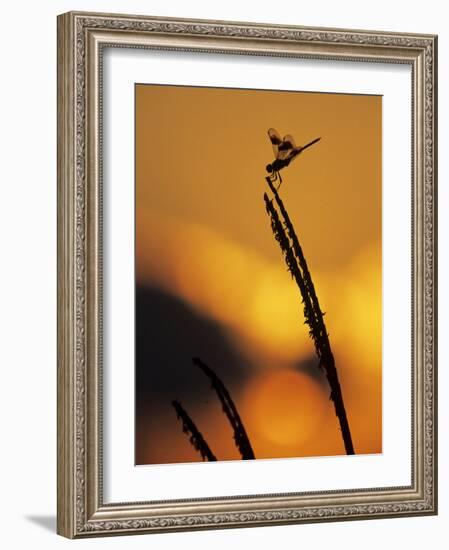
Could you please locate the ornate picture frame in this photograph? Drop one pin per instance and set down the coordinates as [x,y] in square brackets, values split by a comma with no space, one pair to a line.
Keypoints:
[82,41]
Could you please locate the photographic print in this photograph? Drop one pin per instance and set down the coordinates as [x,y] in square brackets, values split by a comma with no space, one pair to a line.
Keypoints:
[247,283]
[258,297]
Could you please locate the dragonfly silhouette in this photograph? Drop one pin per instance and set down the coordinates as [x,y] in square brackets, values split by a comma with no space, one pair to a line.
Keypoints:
[285,150]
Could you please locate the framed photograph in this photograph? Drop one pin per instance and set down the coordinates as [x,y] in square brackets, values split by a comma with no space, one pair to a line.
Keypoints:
[246,274]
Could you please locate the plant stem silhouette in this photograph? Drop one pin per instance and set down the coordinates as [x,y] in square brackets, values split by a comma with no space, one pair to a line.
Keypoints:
[196,438]
[240,436]
[296,263]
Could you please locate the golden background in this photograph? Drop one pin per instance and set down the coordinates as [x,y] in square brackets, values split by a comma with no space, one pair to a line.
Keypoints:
[203,236]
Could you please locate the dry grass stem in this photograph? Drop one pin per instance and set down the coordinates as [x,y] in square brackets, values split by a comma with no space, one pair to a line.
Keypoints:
[196,438]
[240,436]
[285,235]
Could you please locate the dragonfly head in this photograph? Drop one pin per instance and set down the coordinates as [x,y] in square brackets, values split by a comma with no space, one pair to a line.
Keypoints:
[269,168]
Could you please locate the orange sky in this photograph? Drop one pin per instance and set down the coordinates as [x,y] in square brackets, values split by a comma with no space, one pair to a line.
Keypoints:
[202,234]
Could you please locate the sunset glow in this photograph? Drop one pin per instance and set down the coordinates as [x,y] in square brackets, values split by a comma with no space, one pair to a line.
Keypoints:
[204,245]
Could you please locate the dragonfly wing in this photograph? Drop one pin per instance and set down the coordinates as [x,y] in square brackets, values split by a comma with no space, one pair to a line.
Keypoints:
[276,141]
[286,147]
[288,139]
[292,154]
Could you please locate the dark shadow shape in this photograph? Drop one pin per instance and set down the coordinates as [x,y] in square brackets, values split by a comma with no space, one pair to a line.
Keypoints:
[310,366]
[168,333]
[46,522]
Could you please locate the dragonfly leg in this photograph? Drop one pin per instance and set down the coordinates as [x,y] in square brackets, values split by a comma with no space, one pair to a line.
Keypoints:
[280,181]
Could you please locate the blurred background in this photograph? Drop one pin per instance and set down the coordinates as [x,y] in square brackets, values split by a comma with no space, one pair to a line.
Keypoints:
[211,281]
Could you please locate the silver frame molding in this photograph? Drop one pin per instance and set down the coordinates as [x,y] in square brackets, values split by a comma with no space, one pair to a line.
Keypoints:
[81,38]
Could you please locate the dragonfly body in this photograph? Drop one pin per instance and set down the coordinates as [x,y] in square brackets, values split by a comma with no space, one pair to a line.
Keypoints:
[285,150]
[278,164]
